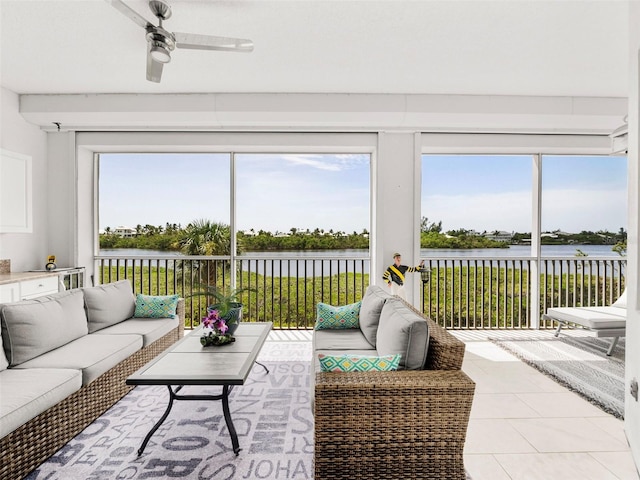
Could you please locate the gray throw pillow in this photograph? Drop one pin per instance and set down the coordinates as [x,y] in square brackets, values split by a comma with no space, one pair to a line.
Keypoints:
[403,331]
[33,327]
[370,310]
[109,304]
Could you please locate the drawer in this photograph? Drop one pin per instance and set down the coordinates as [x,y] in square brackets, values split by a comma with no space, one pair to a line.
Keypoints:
[39,286]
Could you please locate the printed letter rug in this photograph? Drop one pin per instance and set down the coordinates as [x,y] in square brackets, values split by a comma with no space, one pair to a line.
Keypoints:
[271,414]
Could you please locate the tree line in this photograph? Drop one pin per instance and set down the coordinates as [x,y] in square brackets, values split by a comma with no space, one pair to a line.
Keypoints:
[205,237]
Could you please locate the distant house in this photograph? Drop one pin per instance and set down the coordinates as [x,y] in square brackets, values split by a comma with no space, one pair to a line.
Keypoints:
[125,232]
[499,236]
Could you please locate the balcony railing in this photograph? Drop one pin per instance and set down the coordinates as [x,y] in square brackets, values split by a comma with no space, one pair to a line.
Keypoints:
[486,293]
[458,293]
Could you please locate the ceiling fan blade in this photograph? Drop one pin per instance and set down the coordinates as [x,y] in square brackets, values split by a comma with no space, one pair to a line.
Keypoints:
[129,12]
[209,42]
[154,69]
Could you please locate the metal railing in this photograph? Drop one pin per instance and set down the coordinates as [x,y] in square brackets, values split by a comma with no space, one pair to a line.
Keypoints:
[459,293]
[282,290]
[488,293]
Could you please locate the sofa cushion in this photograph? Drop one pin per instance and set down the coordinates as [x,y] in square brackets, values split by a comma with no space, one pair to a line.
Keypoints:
[403,331]
[329,317]
[29,392]
[347,339]
[151,329]
[372,303]
[358,363]
[33,327]
[92,354]
[156,306]
[108,304]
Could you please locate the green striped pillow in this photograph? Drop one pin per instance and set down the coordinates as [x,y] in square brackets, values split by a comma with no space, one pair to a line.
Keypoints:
[330,318]
[358,363]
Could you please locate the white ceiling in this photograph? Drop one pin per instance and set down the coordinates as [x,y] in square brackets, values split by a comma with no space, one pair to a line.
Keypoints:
[501,47]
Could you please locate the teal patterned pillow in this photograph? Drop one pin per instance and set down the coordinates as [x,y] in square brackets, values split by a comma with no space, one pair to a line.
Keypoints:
[358,363]
[149,306]
[331,318]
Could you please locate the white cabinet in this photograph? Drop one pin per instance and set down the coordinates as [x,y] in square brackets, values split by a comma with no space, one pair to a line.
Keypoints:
[38,287]
[9,292]
[29,288]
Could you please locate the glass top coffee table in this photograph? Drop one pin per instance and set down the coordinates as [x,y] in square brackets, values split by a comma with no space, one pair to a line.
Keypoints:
[187,362]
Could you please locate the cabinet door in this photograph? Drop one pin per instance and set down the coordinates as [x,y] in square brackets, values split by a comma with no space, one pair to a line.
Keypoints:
[15,192]
[9,292]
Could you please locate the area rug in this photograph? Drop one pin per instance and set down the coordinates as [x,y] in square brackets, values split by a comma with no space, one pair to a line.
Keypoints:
[271,413]
[578,363]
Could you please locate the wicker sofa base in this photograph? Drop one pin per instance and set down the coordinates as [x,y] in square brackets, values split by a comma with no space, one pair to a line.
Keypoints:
[31,444]
[391,425]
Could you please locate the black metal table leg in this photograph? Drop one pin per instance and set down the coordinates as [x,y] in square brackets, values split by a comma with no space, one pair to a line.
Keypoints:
[227,418]
[162,419]
[263,366]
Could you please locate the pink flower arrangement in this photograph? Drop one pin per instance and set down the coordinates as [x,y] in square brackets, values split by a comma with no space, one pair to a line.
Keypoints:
[215,330]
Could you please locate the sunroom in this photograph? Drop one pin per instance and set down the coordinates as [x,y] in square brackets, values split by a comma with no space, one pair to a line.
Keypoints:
[396,81]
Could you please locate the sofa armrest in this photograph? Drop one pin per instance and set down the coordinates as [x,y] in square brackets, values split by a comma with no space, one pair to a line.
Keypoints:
[180,314]
[390,424]
[445,352]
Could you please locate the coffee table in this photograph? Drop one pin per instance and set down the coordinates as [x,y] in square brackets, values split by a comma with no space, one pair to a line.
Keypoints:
[187,362]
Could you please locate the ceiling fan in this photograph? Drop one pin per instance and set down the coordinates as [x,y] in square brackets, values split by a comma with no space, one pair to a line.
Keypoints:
[162,42]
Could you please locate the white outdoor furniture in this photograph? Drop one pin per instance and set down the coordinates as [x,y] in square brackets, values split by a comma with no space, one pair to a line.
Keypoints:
[607,321]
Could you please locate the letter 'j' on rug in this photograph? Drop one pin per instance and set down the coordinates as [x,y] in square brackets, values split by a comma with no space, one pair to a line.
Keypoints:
[579,363]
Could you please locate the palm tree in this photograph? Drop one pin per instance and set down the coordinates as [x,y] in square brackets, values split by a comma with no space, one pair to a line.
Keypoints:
[204,237]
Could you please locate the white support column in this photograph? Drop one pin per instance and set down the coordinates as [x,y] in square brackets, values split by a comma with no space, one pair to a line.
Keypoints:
[397,229]
[232,220]
[534,270]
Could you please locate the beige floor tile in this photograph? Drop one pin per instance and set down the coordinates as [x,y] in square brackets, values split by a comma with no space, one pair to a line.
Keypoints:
[484,467]
[619,463]
[566,435]
[554,466]
[561,404]
[500,405]
[613,426]
[494,436]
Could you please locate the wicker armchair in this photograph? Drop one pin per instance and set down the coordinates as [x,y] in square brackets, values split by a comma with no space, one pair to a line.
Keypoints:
[395,425]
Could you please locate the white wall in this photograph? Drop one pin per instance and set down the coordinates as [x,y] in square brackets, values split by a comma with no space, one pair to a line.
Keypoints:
[632,361]
[26,250]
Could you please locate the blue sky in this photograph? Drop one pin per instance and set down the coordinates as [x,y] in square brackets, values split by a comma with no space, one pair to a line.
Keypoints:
[331,191]
[493,192]
[274,192]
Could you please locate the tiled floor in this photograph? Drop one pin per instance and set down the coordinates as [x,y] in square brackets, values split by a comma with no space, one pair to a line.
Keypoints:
[523,426]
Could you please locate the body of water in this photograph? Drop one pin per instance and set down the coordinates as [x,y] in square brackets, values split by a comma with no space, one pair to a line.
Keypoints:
[307,263]
[426,253]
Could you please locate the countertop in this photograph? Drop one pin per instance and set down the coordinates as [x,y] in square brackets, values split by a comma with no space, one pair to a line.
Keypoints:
[20,276]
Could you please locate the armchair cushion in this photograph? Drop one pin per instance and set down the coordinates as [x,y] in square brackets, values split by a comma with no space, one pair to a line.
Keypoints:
[370,310]
[402,331]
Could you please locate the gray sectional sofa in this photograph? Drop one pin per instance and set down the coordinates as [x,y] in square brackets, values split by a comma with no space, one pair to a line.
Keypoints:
[64,361]
[378,425]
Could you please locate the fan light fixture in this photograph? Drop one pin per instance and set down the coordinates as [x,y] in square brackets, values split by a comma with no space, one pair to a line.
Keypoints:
[160,54]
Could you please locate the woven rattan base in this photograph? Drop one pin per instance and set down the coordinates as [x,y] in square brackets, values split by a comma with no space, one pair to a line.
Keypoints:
[29,445]
[395,425]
